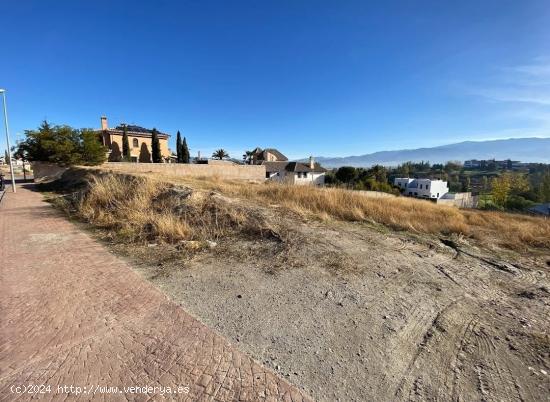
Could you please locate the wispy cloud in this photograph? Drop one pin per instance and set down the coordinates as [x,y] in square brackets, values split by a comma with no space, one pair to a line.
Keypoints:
[538,70]
[528,84]
[516,95]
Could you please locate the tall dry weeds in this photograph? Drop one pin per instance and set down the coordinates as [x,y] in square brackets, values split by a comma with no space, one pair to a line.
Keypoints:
[108,202]
[137,208]
[513,231]
[125,205]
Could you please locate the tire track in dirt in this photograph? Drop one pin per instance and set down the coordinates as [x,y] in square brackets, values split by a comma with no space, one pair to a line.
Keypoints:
[452,342]
[519,273]
[494,381]
[425,328]
[485,359]
[459,355]
[409,376]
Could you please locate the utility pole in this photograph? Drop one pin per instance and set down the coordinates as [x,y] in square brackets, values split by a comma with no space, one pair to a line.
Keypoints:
[3,92]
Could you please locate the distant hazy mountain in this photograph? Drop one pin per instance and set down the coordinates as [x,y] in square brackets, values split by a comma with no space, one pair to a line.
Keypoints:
[519,149]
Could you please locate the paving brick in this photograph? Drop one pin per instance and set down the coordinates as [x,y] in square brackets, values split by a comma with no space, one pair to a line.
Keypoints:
[75,314]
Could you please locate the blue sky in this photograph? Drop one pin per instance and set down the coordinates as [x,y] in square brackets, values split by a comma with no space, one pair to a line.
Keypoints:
[307,77]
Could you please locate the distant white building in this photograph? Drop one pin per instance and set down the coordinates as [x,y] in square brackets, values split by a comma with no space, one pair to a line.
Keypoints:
[279,169]
[422,188]
[402,182]
[14,161]
[295,172]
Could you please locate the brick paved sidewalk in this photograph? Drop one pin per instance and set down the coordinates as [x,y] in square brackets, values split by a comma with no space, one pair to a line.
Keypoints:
[74,314]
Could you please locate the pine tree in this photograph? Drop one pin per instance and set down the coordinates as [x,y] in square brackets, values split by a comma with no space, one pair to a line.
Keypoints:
[178,148]
[185,151]
[155,147]
[125,145]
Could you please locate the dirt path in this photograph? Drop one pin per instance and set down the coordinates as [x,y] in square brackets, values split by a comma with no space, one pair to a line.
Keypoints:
[73,314]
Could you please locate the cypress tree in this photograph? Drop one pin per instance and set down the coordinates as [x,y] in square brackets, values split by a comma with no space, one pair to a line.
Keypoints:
[185,151]
[178,148]
[125,145]
[155,147]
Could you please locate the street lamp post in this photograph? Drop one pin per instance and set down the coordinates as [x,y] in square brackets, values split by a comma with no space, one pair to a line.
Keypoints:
[3,92]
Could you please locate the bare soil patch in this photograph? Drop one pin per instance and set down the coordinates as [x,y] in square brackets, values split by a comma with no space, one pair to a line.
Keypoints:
[364,315]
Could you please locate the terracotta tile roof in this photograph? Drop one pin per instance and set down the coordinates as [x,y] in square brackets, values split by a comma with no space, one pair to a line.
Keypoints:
[262,154]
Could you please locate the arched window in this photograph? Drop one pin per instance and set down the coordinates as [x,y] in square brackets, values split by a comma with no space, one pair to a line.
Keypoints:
[135,143]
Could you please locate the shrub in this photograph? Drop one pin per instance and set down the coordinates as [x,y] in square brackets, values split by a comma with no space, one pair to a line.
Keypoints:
[518,203]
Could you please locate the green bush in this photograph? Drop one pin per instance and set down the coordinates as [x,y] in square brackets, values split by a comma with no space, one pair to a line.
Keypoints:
[62,145]
[518,203]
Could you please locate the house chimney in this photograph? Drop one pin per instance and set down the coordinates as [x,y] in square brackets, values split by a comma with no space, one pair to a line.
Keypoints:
[311,162]
[104,125]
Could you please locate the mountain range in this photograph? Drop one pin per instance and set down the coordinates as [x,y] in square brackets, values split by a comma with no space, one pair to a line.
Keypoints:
[518,149]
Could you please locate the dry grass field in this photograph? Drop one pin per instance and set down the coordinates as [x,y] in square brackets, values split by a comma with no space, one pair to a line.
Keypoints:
[351,298]
[147,206]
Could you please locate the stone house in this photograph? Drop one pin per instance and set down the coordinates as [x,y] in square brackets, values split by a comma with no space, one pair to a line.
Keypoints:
[139,139]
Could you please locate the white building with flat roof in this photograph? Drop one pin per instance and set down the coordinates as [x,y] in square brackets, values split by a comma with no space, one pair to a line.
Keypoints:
[422,188]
